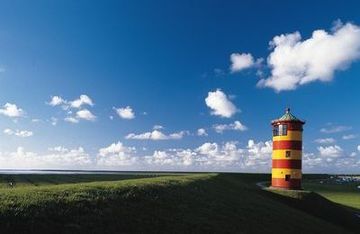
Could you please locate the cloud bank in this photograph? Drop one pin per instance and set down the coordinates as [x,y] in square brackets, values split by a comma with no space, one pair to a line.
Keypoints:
[156,135]
[210,156]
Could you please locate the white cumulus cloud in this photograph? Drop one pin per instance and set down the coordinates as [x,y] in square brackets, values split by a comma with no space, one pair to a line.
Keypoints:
[329,140]
[212,156]
[56,101]
[77,103]
[294,62]
[157,127]
[73,109]
[19,133]
[116,154]
[11,110]
[241,61]
[220,104]
[170,159]
[335,129]
[156,135]
[55,158]
[201,132]
[236,126]
[125,113]
[82,100]
[86,115]
[258,154]
[349,137]
[330,151]
[71,119]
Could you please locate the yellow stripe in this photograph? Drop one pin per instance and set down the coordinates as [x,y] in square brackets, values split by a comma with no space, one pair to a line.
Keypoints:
[281,154]
[291,136]
[281,172]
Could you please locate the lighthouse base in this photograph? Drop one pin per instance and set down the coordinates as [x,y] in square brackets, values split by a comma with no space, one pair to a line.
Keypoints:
[294,184]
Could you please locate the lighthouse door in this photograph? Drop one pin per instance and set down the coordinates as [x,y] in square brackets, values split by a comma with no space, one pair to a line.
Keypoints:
[287,177]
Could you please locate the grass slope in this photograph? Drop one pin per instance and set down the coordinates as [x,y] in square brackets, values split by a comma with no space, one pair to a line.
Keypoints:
[195,203]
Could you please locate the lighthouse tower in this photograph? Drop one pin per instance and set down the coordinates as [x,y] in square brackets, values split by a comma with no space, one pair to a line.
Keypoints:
[287,151]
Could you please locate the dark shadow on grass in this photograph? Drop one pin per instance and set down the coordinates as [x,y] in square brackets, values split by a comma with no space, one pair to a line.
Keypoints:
[317,205]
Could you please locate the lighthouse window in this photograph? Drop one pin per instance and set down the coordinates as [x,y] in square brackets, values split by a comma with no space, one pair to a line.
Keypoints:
[288,154]
[280,130]
[287,177]
[283,130]
[275,131]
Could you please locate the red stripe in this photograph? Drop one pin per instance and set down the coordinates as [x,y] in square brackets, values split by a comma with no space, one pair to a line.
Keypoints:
[286,163]
[282,183]
[295,127]
[291,125]
[295,145]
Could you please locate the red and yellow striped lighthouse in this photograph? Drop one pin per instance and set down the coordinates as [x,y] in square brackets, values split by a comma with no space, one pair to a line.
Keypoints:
[287,152]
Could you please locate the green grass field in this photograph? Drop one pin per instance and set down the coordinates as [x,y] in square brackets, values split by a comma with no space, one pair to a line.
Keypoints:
[156,203]
[346,194]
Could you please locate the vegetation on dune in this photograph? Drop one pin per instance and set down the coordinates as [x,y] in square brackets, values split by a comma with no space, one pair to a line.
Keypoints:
[21,180]
[194,203]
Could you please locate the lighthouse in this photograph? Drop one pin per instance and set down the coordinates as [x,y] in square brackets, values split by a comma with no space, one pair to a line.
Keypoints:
[287,152]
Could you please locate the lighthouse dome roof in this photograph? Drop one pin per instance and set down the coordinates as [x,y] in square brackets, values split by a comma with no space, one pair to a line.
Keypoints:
[288,116]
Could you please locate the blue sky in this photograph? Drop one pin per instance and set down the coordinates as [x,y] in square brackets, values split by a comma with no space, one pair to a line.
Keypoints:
[164,60]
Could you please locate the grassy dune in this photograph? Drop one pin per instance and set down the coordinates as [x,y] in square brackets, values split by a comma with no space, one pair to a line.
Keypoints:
[21,180]
[194,203]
